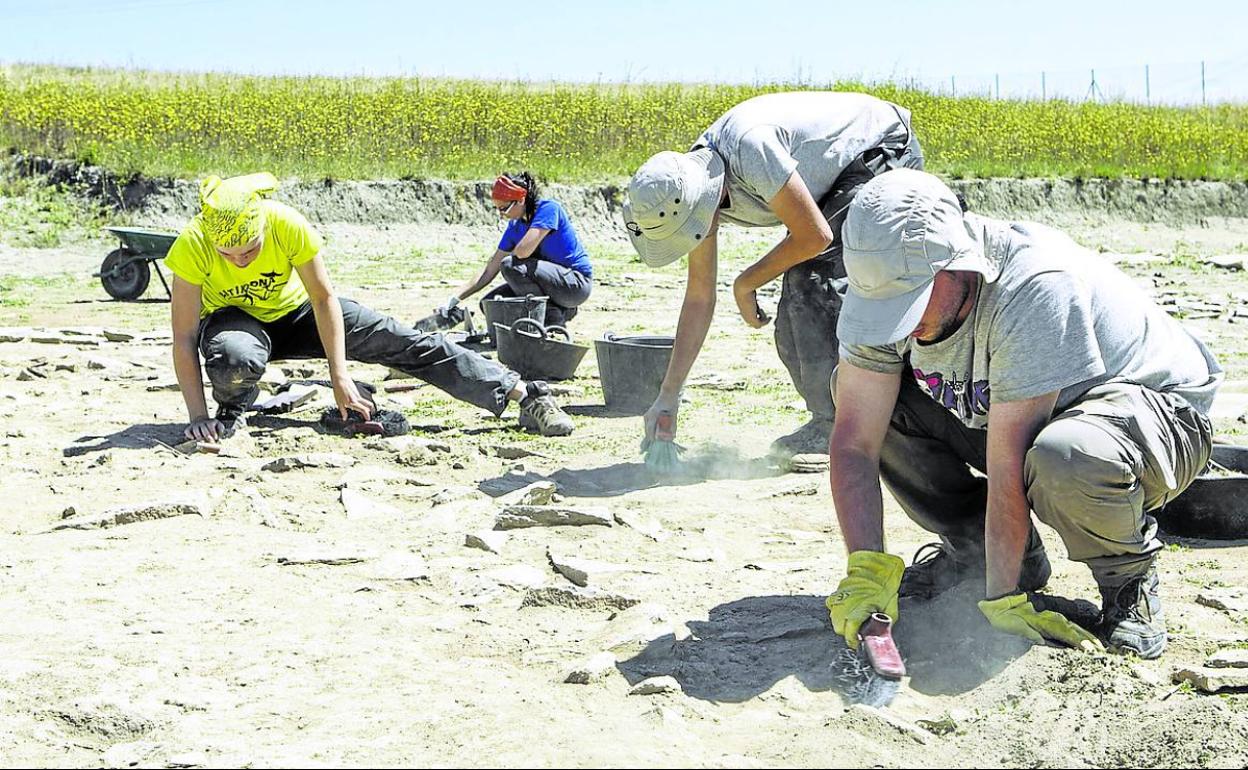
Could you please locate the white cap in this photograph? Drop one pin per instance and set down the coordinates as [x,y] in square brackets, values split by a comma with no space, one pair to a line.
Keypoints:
[671,201]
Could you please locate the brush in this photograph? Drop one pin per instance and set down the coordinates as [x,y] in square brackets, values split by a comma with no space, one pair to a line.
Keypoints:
[872,675]
[662,453]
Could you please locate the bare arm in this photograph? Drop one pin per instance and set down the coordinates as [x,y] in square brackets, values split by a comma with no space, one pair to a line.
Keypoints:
[864,406]
[328,312]
[809,234]
[696,313]
[529,243]
[1012,430]
[185,307]
[488,273]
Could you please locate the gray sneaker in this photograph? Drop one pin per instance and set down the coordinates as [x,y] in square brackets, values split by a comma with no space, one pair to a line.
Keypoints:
[811,438]
[935,570]
[1131,617]
[539,412]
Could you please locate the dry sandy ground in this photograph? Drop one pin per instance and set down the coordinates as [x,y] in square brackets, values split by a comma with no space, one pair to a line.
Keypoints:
[334,615]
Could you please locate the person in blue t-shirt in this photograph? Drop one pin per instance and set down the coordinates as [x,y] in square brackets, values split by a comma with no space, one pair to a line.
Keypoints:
[539,254]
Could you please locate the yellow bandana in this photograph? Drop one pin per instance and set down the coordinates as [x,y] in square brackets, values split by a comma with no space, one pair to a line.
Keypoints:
[231,207]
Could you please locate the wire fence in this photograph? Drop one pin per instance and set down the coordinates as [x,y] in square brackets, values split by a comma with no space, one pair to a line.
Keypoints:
[1170,83]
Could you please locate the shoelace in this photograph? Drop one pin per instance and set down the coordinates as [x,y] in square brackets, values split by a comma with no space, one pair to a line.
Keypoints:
[928,552]
[1133,607]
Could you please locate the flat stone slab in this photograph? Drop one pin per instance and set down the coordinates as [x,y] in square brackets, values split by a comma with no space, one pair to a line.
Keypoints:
[130,514]
[1212,679]
[521,516]
[580,571]
[324,558]
[574,597]
[592,669]
[519,576]
[361,506]
[486,540]
[656,685]
[537,493]
[310,460]
[1233,658]
[1230,600]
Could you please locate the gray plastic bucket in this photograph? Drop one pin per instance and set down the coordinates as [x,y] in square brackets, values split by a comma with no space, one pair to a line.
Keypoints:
[508,310]
[632,370]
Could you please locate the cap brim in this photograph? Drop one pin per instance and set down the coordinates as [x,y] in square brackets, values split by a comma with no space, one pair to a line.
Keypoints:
[866,321]
[657,252]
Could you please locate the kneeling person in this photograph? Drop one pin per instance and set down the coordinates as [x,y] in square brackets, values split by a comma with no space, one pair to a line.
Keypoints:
[250,287]
[972,343]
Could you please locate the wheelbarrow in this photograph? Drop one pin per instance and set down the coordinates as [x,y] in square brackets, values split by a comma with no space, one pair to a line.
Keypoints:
[532,350]
[127,270]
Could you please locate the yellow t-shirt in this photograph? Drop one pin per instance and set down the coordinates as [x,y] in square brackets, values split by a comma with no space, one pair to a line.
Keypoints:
[268,288]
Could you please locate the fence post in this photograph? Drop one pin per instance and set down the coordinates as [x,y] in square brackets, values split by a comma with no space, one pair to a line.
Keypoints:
[1043,94]
[1148,96]
[997,77]
[953,85]
[1202,83]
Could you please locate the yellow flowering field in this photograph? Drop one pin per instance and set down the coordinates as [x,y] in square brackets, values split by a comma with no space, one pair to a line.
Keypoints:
[189,124]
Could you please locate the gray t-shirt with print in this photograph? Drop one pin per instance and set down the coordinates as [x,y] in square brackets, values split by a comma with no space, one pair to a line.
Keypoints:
[765,139]
[1059,318]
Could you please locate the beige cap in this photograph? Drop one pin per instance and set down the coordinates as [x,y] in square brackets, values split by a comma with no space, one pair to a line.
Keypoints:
[671,201]
[902,228]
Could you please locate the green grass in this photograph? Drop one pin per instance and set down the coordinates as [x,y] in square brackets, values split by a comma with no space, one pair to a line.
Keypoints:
[314,127]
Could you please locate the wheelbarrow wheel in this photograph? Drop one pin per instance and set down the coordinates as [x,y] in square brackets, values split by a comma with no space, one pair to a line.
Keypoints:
[123,276]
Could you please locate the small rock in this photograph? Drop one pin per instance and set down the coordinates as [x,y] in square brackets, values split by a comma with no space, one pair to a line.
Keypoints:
[520,516]
[486,540]
[700,555]
[456,494]
[591,669]
[1232,658]
[579,571]
[627,632]
[638,523]
[1226,261]
[861,713]
[113,335]
[574,597]
[323,558]
[1212,679]
[790,488]
[310,460]
[167,385]
[512,452]
[130,514]
[187,760]
[98,364]
[69,511]
[1230,600]
[537,493]
[656,685]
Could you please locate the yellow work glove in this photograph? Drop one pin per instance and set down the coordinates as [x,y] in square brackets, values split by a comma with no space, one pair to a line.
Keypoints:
[870,585]
[1032,616]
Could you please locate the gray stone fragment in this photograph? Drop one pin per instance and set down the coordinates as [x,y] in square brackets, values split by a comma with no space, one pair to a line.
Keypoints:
[656,685]
[1230,658]
[310,460]
[521,516]
[592,669]
[574,597]
[486,540]
[537,493]
[1213,679]
[130,514]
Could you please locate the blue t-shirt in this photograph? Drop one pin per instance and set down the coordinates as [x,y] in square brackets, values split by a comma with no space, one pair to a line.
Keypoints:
[561,245]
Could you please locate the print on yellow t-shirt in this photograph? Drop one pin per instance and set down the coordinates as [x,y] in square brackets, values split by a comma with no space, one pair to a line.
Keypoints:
[268,288]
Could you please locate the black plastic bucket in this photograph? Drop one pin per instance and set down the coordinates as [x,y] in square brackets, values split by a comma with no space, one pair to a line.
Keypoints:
[632,369]
[508,310]
[1215,506]
[535,352]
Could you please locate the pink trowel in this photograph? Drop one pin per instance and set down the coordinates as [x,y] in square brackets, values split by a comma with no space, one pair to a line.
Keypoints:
[876,646]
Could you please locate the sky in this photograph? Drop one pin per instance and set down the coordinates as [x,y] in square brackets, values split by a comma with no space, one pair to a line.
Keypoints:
[963,46]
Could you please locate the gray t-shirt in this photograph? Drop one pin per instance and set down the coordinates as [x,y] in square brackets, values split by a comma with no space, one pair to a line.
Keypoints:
[817,133]
[1059,318]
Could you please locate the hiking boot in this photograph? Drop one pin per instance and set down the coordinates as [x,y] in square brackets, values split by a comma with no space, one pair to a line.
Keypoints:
[934,570]
[1131,617]
[811,438]
[539,412]
[232,418]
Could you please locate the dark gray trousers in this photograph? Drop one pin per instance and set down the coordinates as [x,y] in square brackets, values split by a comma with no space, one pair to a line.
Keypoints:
[1092,473]
[810,296]
[237,348]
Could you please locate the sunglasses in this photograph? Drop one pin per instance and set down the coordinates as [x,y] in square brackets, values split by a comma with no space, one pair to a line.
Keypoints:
[505,209]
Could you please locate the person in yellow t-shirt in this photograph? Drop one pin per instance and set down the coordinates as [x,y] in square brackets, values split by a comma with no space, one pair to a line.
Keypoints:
[250,286]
